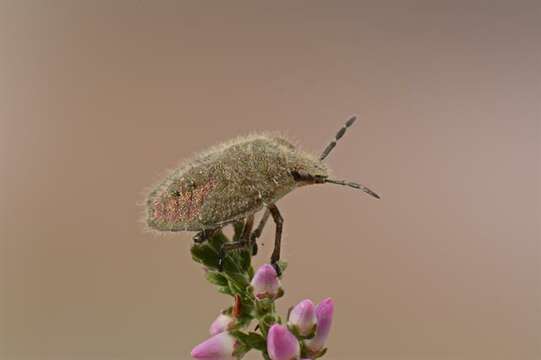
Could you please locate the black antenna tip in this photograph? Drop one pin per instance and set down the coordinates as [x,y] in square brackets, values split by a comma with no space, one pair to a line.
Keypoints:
[370,192]
[351,121]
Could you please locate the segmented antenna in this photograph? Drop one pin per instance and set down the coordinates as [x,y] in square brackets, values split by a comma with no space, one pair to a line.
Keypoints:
[353,185]
[339,135]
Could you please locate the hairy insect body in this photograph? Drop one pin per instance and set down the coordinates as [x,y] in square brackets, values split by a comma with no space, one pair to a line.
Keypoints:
[228,183]
[231,182]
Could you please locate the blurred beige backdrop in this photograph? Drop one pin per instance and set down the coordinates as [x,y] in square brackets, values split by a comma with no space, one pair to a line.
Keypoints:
[98,98]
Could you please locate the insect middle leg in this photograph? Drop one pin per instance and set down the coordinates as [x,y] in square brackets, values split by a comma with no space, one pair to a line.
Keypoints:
[243,241]
[258,230]
[279,221]
[204,235]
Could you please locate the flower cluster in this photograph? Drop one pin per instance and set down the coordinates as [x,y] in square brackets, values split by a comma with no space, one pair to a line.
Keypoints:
[307,329]
[302,336]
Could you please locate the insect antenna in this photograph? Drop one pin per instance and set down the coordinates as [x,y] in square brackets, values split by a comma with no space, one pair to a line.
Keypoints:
[337,137]
[353,185]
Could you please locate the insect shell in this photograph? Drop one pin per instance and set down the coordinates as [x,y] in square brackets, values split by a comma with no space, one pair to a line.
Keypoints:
[233,181]
[228,183]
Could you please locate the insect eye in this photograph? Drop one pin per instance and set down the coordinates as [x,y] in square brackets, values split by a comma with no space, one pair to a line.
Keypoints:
[175,193]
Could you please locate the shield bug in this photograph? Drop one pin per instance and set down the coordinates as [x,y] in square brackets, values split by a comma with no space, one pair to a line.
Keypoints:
[231,182]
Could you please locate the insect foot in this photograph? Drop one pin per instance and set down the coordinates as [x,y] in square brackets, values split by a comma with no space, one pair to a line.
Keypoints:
[276,267]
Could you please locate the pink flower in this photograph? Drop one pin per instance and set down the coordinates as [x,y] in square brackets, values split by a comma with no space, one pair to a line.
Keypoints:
[303,317]
[222,323]
[282,344]
[266,283]
[324,314]
[218,347]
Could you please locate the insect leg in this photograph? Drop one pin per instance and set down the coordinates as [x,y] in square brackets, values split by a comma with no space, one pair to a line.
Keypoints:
[247,229]
[258,230]
[204,235]
[279,221]
[225,249]
[241,243]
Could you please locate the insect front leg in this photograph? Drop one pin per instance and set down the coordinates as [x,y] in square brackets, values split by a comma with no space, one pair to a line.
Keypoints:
[279,221]
[243,241]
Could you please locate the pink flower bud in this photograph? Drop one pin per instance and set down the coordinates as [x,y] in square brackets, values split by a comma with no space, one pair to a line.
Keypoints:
[303,317]
[266,283]
[282,344]
[222,323]
[218,347]
[324,313]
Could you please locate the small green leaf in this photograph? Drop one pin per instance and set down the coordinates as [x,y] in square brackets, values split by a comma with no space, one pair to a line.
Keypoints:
[225,290]
[246,309]
[231,266]
[245,258]
[217,278]
[239,227]
[238,279]
[236,289]
[256,341]
[205,255]
[217,241]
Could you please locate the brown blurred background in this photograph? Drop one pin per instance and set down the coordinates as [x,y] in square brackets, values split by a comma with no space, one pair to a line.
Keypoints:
[98,98]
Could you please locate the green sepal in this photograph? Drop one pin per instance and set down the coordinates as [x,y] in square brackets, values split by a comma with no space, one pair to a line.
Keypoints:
[253,340]
[307,353]
[295,331]
[312,333]
[266,322]
[263,306]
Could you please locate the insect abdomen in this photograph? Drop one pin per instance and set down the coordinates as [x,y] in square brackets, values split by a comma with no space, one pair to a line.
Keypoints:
[222,185]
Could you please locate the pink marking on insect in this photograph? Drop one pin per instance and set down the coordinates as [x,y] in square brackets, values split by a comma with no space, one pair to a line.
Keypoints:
[184,207]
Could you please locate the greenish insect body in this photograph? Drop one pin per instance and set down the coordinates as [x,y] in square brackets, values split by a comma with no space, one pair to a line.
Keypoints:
[228,183]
